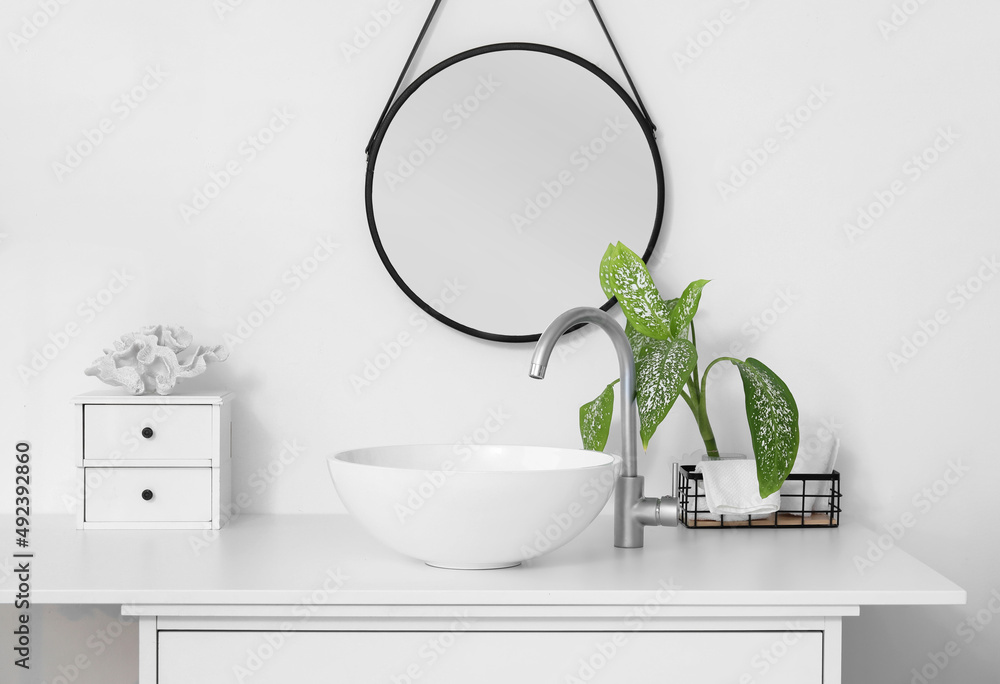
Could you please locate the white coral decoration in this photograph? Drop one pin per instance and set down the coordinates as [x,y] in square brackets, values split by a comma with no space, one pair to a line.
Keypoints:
[147,361]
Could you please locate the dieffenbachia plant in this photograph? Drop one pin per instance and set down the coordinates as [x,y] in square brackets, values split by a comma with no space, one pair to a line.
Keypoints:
[661,332]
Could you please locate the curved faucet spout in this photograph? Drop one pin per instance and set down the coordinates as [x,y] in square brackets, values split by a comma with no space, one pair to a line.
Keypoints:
[626,368]
[633,511]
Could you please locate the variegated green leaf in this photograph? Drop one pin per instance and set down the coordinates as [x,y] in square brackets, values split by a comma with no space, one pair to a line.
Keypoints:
[636,340]
[629,279]
[774,424]
[662,370]
[681,315]
[595,419]
[607,271]
[640,342]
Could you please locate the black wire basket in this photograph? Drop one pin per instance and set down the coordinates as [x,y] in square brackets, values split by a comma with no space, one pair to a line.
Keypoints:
[802,509]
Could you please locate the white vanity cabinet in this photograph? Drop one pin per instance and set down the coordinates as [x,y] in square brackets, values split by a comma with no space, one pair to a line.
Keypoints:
[276,599]
[484,657]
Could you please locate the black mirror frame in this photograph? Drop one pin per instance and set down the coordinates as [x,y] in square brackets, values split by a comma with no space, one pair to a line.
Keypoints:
[640,117]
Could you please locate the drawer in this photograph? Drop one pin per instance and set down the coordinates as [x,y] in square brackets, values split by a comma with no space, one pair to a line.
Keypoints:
[175,494]
[148,431]
[489,657]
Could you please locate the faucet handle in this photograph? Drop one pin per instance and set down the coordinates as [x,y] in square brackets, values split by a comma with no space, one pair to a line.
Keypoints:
[668,509]
[657,512]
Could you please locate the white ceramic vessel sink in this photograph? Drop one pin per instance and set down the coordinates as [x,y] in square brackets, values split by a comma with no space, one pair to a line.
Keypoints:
[474,508]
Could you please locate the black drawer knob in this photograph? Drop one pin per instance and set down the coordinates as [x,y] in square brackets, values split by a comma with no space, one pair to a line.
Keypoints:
[147,432]
[147,494]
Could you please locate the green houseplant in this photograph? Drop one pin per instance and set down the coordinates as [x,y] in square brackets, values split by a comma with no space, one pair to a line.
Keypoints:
[661,332]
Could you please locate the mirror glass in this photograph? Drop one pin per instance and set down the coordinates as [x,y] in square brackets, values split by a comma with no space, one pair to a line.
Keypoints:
[497,181]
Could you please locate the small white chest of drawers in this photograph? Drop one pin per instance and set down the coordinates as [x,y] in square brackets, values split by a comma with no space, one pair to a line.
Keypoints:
[152,462]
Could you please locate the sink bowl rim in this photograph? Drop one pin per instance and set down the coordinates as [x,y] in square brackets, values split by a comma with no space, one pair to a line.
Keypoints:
[603,459]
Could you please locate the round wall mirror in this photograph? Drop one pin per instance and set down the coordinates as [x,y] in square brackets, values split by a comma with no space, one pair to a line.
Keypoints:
[497,180]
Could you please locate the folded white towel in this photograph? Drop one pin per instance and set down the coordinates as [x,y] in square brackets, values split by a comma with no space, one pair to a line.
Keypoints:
[820,461]
[731,489]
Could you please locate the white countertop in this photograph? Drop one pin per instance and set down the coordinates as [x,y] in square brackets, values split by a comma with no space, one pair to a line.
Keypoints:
[282,559]
[119,396]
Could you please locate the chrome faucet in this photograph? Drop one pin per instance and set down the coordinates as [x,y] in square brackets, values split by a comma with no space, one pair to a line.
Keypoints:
[633,511]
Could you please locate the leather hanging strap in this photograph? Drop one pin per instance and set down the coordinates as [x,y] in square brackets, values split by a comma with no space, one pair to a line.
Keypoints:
[621,63]
[402,75]
[423,32]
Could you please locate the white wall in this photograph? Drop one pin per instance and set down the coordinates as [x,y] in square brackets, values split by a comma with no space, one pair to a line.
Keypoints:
[888,94]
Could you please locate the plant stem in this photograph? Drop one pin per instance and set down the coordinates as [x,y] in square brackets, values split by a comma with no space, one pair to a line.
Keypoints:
[690,402]
[692,384]
[696,402]
[693,379]
[701,415]
[697,407]
[706,431]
